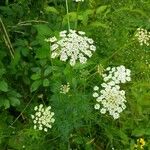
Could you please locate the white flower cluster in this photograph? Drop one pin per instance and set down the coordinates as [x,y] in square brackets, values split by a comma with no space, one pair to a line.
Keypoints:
[65,88]
[72,46]
[79,0]
[117,75]
[110,98]
[143,36]
[43,118]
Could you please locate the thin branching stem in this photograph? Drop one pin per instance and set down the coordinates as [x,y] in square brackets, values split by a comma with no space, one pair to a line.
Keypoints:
[67,9]
[7,39]
[23,110]
[77,13]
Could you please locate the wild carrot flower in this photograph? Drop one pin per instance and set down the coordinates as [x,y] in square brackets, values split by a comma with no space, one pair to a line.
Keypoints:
[110,99]
[65,88]
[143,36]
[72,46]
[43,118]
[116,75]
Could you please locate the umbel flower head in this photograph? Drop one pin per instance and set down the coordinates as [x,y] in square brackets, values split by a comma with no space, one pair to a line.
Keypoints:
[65,88]
[43,118]
[110,99]
[72,46]
[143,36]
[117,75]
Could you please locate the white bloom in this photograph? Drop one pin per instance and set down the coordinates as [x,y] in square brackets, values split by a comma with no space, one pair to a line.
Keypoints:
[53,39]
[111,100]
[116,115]
[54,47]
[97,106]
[54,55]
[43,118]
[103,111]
[99,99]
[117,75]
[96,88]
[95,94]
[65,88]
[72,46]
[79,0]
[143,36]
[92,48]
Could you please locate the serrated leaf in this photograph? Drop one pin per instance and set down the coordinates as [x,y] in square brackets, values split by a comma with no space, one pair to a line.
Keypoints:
[3,86]
[35,85]
[46,82]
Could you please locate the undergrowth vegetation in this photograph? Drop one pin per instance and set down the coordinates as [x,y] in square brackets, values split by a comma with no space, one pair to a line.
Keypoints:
[89,91]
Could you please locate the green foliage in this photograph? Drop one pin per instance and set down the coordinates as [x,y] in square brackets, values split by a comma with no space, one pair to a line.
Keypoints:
[31,77]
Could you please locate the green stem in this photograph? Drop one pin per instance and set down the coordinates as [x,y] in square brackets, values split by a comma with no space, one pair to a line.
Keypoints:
[67,15]
[76,23]
[6,2]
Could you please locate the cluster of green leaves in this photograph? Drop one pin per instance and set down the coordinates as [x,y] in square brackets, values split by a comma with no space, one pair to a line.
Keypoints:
[29,77]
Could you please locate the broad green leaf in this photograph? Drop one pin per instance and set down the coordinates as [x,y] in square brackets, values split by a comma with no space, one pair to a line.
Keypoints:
[35,85]
[47,71]
[101,9]
[36,76]
[49,9]
[6,103]
[46,82]
[3,86]
[14,101]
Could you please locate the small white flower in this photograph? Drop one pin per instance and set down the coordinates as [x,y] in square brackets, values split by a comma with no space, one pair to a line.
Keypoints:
[81,32]
[35,108]
[35,127]
[96,88]
[97,106]
[99,99]
[43,118]
[54,55]
[92,48]
[117,75]
[103,111]
[54,47]
[116,115]
[112,100]
[65,88]
[72,46]
[53,39]
[143,36]
[45,129]
[95,94]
